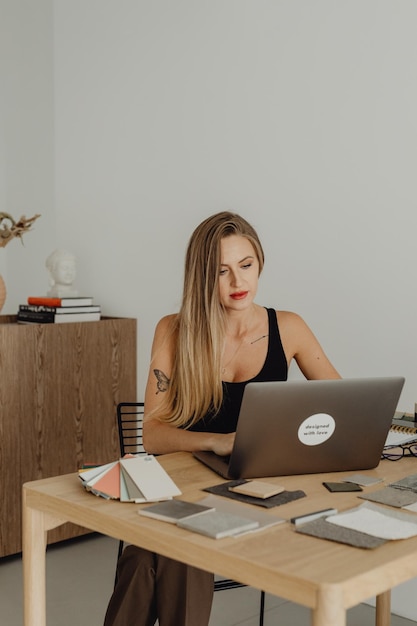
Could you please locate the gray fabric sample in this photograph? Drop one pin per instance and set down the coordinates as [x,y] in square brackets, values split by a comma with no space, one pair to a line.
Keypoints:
[391,496]
[324,530]
[409,482]
[280,498]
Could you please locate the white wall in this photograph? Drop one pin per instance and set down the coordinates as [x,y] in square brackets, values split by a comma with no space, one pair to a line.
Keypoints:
[26,140]
[126,122]
[299,115]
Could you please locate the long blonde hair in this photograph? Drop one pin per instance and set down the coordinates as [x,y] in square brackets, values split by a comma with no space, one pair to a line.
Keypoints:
[195,385]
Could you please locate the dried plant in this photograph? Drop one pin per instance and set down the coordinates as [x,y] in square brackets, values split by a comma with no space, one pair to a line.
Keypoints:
[9,228]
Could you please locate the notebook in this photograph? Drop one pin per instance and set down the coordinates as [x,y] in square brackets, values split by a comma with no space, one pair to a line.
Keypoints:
[309,426]
[401,432]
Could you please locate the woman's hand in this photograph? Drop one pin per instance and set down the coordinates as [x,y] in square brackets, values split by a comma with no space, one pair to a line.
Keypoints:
[223,444]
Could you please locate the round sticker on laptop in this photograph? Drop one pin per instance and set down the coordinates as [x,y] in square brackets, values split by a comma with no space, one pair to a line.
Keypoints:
[316,429]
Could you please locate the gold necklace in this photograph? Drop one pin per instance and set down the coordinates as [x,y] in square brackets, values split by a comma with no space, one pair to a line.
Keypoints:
[233,356]
[224,368]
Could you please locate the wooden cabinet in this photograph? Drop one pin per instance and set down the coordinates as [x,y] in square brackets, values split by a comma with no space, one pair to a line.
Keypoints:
[59,387]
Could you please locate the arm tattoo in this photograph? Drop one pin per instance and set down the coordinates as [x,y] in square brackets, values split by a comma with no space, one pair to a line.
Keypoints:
[162,381]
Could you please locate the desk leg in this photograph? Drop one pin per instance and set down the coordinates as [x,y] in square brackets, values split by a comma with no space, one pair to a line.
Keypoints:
[330,610]
[35,527]
[383,609]
[34,568]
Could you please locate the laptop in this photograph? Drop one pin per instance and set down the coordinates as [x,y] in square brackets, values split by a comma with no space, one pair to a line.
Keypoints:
[309,427]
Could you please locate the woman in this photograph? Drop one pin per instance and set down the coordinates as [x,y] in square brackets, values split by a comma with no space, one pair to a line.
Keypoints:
[202,358]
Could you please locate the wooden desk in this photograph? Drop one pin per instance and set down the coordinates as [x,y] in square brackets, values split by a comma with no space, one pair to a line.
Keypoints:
[327,577]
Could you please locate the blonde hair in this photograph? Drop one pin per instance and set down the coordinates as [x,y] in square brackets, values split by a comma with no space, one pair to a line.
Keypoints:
[195,385]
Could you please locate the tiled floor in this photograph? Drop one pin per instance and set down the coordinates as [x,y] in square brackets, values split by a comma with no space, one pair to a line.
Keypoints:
[80,579]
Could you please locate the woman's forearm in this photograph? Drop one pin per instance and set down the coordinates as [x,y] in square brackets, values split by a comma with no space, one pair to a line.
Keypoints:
[160,438]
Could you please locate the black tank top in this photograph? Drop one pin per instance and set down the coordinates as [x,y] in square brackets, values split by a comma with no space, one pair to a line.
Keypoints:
[274,368]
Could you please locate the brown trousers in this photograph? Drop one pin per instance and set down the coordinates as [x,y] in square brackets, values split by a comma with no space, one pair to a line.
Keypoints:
[151,587]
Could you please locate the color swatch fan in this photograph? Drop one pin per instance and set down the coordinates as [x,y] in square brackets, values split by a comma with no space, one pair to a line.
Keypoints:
[134,479]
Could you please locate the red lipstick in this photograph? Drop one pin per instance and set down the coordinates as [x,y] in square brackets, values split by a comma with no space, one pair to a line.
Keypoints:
[239,295]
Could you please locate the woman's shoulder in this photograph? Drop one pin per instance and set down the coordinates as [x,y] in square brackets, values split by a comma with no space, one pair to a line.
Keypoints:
[291,323]
[165,336]
[289,317]
[166,326]
[167,321]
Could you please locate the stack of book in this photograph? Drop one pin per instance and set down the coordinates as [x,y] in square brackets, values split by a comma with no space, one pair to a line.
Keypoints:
[44,310]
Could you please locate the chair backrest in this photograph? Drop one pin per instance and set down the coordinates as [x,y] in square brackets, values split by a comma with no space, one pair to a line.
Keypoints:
[130,422]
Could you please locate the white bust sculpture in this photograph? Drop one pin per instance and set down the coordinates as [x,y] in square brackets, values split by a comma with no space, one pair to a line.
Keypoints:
[61,266]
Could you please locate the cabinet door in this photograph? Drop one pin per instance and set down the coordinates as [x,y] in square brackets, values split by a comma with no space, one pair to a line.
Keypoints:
[15,390]
[59,410]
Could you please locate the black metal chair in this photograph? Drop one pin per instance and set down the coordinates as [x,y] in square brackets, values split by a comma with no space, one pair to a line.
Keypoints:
[130,423]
